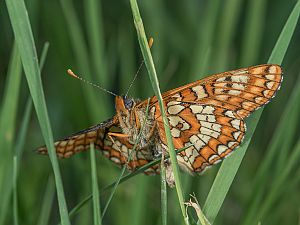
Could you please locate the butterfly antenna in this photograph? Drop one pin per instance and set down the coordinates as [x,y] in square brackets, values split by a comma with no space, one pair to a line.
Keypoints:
[70,72]
[150,43]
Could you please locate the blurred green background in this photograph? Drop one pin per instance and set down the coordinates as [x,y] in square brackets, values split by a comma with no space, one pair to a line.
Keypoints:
[192,39]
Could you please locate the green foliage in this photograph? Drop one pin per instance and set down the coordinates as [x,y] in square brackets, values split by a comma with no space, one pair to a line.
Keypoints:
[98,41]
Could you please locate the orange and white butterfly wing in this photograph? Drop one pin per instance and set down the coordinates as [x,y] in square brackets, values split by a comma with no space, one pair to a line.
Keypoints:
[211,132]
[208,113]
[242,91]
[115,148]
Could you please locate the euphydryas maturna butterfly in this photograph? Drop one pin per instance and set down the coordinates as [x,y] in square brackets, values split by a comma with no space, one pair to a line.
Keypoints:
[206,115]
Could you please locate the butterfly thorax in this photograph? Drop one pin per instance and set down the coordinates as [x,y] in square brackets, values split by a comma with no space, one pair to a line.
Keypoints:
[134,121]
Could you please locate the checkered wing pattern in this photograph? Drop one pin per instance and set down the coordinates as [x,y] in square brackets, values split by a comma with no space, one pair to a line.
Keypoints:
[208,114]
[115,148]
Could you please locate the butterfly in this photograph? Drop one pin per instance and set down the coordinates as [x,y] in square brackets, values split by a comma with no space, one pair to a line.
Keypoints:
[206,117]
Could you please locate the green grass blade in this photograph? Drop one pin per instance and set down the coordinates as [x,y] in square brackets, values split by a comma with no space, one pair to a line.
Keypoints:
[22,133]
[93,13]
[253,32]
[205,36]
[229,19]
[280,181]
[47,203]
[7,121]
[285,37]
[230,166]
[96,197]
[163,194]
[15,191]
[24,39]
[288,119]
[140,200]
[154,81]
[82,59]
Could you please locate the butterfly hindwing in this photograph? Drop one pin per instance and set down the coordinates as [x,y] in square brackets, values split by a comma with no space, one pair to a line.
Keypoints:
[211,132]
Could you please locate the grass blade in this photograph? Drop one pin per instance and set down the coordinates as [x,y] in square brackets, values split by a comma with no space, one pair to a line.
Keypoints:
[82,58]
[96,197]
[93,12]
[7,121]
[154,81]
[24,39]
[253,31]
[230,166]
[15,191]
[163,194]
[22,133]
[47,202]
[225,33]
[288,119]
[279,183]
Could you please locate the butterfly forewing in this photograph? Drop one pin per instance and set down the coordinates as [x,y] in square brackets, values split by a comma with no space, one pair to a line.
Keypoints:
[241,91]
[115,148]
[208,114]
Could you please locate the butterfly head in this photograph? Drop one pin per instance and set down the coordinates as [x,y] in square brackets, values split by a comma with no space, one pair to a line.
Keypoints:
[125,111]
[124,104]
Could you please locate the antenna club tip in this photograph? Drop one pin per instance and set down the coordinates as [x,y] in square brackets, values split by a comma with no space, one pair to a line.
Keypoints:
[70,72]
[150,42]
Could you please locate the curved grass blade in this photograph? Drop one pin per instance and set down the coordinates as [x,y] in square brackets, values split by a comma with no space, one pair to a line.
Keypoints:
[47,202]
[24,39]
[154,81]
[96,198]
[7,121]
[15,191]
[230,166]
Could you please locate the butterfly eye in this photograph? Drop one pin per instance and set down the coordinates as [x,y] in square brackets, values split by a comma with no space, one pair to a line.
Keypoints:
[128,102]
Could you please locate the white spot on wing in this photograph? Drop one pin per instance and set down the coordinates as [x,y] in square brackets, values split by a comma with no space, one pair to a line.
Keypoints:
[221,149]
[175,132]
[196,108]
[212,157]
[231,143]
[270,77]
[270,84]
[175,109]
[272,69]
[198,143]
[221,79]
[211,118]
[217,127]
[234,92]
[240,79]
[236,124]
[208,110]
[236,135]
[229,114]
[209,132]
[238,86]
[199,90]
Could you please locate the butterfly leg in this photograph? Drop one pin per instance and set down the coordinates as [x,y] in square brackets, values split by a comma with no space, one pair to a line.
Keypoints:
[112,134]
